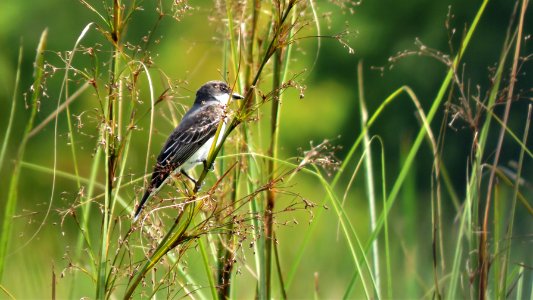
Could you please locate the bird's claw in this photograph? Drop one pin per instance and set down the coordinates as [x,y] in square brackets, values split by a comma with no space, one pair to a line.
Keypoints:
[198,186]
[211,168]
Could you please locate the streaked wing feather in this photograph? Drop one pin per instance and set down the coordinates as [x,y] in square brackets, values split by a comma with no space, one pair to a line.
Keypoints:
[194,130]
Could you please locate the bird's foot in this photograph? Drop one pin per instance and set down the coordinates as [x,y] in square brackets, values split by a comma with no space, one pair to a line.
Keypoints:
[189,176]
[199,186]
[206,167]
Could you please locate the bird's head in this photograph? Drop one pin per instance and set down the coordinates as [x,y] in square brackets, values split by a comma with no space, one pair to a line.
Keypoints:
[216,91]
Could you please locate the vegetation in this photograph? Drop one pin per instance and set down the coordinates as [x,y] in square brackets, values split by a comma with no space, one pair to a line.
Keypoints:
[275,214]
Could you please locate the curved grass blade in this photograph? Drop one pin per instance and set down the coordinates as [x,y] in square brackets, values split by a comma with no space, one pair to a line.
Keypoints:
[12,112]
[12,196]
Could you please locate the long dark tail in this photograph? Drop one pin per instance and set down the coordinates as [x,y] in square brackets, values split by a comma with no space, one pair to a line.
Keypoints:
[159,176]
[141,204]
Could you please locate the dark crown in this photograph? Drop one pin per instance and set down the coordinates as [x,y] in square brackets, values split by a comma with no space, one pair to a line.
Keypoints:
[212,89]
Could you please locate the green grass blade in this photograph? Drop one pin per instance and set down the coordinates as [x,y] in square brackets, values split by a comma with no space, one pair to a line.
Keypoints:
[12,112]
[520,285]
[502,282]
[387,243]
[208,270]
[61,174]
[256,208]
[12,195]
[369,179]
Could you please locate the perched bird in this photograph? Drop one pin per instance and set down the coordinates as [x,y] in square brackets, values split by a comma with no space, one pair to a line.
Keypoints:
[190,142]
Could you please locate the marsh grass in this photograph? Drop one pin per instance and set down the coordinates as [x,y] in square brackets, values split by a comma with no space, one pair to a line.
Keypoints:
[239,210]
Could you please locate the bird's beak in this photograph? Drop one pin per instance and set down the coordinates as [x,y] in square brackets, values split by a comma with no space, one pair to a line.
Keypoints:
[237,96]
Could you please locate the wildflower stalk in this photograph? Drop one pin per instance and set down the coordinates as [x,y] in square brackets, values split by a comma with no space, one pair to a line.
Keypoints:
[225,265]
[280,68]
[109,140]
[271,194]
[272,152]
[257,203]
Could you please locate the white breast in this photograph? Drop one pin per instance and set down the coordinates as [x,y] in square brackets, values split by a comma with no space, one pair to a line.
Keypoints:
[199,156]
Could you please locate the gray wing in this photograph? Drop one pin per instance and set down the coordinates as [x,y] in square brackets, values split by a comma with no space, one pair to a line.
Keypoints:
[196,128]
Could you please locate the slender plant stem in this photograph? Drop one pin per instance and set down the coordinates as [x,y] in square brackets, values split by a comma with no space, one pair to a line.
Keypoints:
[271,195]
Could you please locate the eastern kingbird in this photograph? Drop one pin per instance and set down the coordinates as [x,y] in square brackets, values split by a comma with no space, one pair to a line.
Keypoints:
[190,142]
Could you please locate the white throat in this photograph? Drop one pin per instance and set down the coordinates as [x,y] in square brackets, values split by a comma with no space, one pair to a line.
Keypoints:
[223,98]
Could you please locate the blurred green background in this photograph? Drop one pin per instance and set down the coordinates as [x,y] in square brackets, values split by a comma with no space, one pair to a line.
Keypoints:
[189,50]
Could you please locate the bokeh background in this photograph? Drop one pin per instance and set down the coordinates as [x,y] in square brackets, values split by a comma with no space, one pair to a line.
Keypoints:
[190,51]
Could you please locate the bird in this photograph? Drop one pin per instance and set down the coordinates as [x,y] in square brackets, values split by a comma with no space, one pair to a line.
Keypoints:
[189,144]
